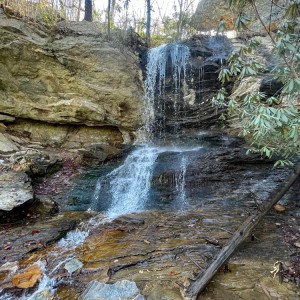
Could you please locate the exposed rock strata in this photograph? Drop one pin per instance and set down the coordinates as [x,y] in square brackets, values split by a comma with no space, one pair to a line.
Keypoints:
[74,83]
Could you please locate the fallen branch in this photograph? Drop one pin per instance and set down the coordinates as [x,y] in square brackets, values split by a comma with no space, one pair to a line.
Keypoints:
[238,237]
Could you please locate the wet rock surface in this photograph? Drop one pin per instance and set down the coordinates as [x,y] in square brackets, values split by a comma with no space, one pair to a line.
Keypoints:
[122,290]
[190,106]
[31,233]
[161,251]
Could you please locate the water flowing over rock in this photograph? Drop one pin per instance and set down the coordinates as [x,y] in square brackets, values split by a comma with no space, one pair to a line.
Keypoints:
[128,185]
[168,207]
[181,80]
[175,57]
[169,72]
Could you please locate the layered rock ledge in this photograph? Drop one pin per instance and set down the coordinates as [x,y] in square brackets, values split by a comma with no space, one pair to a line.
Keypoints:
[68,87]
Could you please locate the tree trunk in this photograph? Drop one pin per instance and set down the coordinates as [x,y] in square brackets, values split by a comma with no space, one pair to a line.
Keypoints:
[108,18]
[112,12]
[238,237]
[78,11]
[148,26]
[88,12]
[180,20]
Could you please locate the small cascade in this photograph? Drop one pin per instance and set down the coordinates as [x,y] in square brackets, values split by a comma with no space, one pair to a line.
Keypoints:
[129,185]
[180,182]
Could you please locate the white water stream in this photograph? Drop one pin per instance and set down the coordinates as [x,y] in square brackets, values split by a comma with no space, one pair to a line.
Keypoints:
[129,184]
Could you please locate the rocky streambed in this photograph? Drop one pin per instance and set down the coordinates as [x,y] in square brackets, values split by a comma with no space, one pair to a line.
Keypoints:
[162,248]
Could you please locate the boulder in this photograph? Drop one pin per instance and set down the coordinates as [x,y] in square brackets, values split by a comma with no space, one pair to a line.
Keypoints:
[15,189]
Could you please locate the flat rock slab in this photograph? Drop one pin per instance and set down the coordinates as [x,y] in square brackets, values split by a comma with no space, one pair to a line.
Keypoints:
[15,189]
[122,290]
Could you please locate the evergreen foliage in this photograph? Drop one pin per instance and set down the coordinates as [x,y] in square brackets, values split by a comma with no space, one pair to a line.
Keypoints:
[270,123]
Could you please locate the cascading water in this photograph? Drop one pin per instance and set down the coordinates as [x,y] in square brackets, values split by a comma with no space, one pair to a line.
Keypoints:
[129,185]
[180,184]
[172,57]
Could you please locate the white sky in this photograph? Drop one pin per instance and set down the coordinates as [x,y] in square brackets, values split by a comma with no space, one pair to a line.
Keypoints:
[138,7]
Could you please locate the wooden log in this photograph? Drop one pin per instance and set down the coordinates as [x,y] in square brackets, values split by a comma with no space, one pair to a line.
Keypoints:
[238,237]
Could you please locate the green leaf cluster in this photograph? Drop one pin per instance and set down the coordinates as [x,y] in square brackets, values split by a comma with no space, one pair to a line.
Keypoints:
[271,124]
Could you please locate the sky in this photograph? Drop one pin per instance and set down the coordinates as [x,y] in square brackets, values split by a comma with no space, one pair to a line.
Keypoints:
[138,7]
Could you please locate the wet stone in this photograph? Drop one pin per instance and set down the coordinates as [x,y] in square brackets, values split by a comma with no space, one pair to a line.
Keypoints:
[122,290]
[43,295]
[73,265]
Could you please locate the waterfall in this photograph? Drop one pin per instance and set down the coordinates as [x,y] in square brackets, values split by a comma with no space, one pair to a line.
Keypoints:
[160,60]
[129,186]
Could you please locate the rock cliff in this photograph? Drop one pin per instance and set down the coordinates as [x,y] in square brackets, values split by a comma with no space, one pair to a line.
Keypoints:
[70,88]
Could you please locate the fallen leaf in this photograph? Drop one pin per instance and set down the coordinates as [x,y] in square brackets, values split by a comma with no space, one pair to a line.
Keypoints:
[33,232]
[279,208]
[297,244]
[146,242]
[29,278]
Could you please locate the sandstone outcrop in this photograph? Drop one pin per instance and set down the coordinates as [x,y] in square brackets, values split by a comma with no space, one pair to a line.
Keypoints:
[68,89]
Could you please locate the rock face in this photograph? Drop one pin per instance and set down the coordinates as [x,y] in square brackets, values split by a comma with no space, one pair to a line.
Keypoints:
[189,83]
[6,144]
[209,13]
[72,89]
[35,163]
[15,189]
